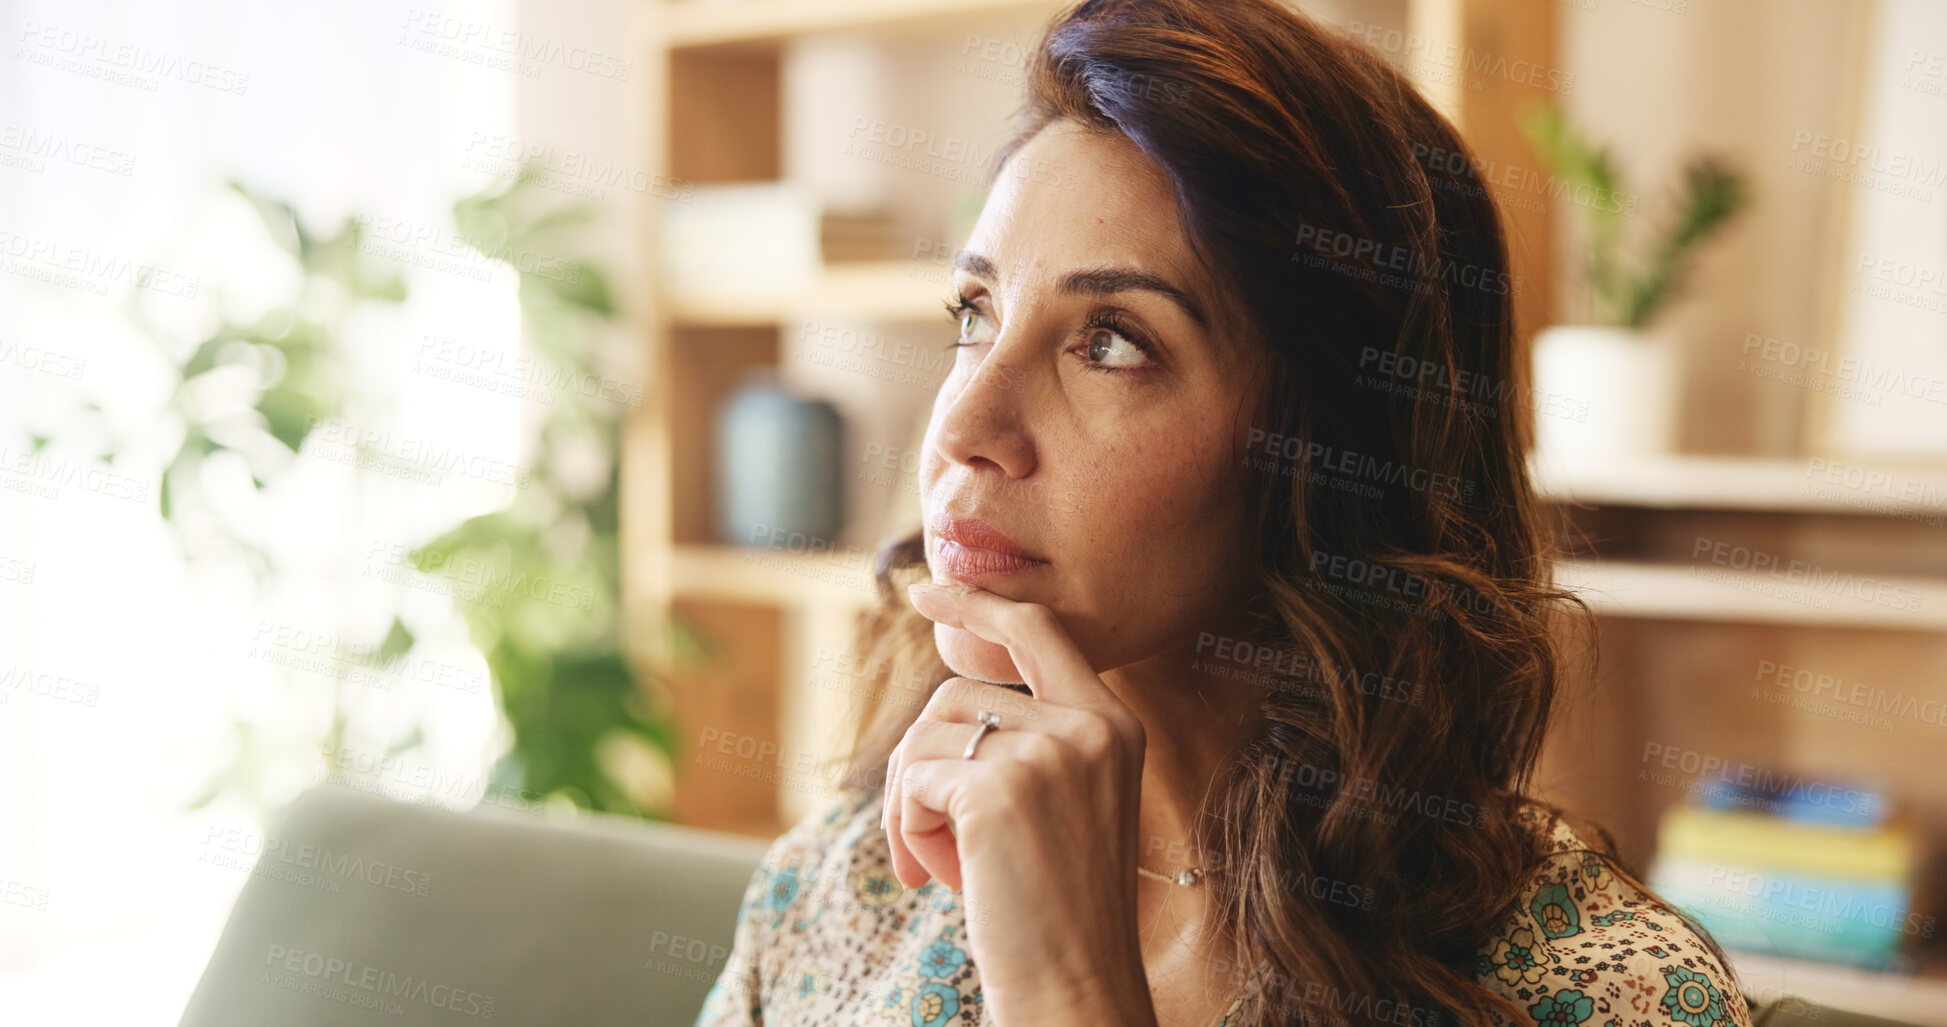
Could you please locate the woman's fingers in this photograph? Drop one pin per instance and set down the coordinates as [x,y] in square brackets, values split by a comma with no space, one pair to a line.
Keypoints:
[918,819]
[933,790]
[957,701]
[1047,658]
[927,836]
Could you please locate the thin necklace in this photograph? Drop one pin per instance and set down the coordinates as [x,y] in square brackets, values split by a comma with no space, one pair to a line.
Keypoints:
[1186,878]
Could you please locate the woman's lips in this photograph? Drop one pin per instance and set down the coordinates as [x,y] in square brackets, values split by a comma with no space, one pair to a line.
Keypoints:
[970,563]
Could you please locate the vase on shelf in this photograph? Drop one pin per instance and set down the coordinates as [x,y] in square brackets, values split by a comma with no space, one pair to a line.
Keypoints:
[1603,394]
[779,467]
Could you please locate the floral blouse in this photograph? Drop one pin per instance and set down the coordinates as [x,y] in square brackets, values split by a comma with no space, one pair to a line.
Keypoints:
[827,937]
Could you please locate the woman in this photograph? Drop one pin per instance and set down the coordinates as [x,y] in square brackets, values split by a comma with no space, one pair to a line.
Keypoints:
[1227,531]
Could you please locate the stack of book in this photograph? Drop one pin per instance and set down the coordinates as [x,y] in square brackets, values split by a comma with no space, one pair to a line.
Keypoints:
[1807,869]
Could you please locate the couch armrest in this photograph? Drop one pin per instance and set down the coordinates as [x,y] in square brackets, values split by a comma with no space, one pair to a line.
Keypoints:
[366,910]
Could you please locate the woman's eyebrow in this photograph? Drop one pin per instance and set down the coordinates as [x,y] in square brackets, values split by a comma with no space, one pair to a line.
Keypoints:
[1103,281]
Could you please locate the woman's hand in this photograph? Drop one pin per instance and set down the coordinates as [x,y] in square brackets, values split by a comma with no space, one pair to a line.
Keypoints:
[1038,829]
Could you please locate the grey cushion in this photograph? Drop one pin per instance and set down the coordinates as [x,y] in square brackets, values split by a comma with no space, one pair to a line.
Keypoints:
[366,910]
[363,910]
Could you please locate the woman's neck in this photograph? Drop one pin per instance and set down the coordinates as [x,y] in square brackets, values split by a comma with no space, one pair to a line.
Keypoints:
[1196,723]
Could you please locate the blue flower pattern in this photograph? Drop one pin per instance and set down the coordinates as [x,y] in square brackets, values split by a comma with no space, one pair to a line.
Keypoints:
[818,947]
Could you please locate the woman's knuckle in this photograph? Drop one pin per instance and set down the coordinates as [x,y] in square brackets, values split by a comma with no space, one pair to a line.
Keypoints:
[1033,615]
[948,694]
[1094,734]
[1013,780]
[1045,749]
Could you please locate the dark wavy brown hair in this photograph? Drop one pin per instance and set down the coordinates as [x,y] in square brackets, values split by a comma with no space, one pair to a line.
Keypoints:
[1401,538]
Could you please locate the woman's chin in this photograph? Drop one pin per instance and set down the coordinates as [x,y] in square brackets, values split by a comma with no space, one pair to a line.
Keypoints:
[970,656]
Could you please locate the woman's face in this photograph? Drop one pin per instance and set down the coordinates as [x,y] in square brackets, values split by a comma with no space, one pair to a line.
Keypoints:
[1091,413]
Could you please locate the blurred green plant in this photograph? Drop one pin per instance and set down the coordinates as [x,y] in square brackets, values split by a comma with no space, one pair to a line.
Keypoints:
[583,727]
[1631,296]
[547,619]
[244,398]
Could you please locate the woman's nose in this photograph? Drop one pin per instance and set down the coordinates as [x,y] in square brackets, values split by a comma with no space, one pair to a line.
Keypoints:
[987,421]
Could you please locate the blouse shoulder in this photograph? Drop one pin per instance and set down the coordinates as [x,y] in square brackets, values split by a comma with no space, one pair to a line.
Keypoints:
[777,901]
[1584,947]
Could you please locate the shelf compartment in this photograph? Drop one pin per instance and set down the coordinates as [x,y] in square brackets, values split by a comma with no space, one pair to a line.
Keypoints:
[887,291]
[766,23]
[1701,592]
[1736,483]
[774,576]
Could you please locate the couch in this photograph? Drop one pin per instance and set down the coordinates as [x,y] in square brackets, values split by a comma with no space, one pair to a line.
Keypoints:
[367,910]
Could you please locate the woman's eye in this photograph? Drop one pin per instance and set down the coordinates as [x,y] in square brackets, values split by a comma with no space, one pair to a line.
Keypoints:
[1111,349]
[974,326]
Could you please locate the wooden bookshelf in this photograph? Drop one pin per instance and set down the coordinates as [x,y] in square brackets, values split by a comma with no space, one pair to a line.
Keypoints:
[1699,592]
[1915,492]
[879,291]
[1693,647]
[773,23]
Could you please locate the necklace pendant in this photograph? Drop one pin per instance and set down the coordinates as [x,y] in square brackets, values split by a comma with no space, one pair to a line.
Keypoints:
[1187,878]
